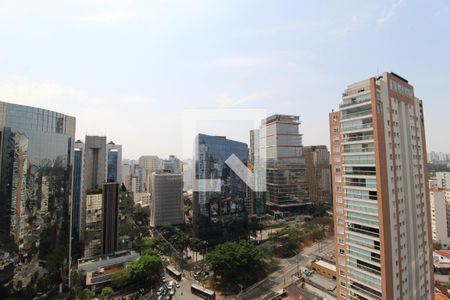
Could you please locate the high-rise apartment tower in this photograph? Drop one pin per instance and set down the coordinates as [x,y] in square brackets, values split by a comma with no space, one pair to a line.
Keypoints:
[381,200]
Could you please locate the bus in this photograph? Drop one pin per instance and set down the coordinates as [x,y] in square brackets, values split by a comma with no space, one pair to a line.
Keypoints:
[173,272]
[202,292]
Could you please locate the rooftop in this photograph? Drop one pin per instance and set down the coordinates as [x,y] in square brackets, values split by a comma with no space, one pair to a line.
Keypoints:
[325,264]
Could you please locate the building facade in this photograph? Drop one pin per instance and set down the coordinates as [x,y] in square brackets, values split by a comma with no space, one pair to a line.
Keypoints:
[440,216]
[443,180]
[36,161]
[287,189]
[212,210]
[381,201]
[110,216]
[318,173]
[173,164]
[93,231]
[166,199]
[97,163]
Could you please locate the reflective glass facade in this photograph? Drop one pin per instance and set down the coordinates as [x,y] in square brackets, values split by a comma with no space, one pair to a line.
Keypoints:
[212,210]
[113,164]
[35,185]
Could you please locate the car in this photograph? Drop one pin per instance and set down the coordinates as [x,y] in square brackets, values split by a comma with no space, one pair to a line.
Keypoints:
[172,292]
[177,284]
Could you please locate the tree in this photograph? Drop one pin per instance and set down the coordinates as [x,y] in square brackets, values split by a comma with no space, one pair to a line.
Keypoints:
[437,245]
[147,267]
[86,294]
[237,263]
[121,278]
[106,293]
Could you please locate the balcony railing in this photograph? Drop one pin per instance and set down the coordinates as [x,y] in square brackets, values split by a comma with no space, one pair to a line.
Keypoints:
[362,173]
[356,100]
[357,138]
[361,150]
[359,161]
[367,112]
[358,127]
[361,184]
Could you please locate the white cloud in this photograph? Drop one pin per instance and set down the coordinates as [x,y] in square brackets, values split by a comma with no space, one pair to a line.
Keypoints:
[226,101]
[386,17]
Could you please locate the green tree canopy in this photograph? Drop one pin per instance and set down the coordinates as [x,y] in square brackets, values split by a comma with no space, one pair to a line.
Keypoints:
[106,293]
[237,263]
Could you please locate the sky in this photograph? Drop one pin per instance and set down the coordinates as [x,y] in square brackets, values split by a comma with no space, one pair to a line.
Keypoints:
[130,69]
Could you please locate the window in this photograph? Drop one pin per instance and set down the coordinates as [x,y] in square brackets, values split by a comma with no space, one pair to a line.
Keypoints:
[341,252]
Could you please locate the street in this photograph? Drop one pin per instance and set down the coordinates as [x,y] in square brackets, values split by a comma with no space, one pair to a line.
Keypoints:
[283,277]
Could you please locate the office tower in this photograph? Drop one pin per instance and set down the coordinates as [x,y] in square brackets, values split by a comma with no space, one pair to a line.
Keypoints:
[287,189]
[318,173]
[173,164]
[255,202]
[440,216]
[443,180]
[36,160]
[93,223]
[212,210]
[166,199]
[381,201]
[150,164]
[100,163]
[114,163]
[78,177]
[110,211]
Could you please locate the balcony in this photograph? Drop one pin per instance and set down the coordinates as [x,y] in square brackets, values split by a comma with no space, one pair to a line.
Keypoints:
[366,113]
[355,100]
[348,161]
[360,172]
[358,127]
[368,137]
[361,184]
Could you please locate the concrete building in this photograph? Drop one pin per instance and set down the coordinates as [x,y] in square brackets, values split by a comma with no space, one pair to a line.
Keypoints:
[287,189]
[98,163]
[443,180]
[36,163]
[98,270]
[149,164]
[143,199]
[101,231]
[173,164]
[440,216]
[166,199]
[381,200]
[110,217]
[318,173]
[93,231]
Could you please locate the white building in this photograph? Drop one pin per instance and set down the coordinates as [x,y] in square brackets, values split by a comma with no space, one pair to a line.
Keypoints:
[167,199]
[440,216]
[443,180]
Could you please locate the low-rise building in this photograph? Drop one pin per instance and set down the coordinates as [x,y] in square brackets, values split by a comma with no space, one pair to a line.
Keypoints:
[324,268]
[99,270]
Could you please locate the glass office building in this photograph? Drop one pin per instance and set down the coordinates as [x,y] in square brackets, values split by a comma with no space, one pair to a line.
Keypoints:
[35,189]
[212,211]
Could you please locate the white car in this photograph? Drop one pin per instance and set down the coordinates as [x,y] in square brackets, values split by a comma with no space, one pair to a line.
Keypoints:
[177,284]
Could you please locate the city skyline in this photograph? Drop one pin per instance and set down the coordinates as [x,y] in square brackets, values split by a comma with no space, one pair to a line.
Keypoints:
[106,61]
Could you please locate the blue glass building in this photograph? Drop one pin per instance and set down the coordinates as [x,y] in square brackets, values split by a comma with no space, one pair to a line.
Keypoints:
[35,184]
[214,211]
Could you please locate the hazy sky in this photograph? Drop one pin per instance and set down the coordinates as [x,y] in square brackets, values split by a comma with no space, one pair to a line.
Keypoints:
[128,69]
